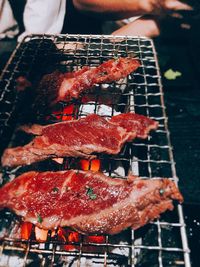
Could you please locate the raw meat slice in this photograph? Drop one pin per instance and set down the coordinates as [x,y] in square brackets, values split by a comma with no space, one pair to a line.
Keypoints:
[89,202]
[57,86]
[79,138]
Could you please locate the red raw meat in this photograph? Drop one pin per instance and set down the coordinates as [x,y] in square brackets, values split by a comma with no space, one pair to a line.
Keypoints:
[80,138]
[57,86]
[141,124]
[89,202]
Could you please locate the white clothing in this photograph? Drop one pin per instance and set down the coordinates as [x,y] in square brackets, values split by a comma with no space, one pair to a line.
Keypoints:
[46,16]
[8,24]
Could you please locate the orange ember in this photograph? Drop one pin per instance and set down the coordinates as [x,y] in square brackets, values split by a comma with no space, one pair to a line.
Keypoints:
[94,239]
[68,111]
[65,235]
[72,237]
[62,234]
[64,114]
[100,239]
[93,165]
[26,228]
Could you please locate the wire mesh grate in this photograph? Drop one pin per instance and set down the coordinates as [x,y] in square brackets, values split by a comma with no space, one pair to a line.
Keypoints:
[160,243]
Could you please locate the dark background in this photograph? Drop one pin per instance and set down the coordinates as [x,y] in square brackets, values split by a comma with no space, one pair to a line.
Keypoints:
[178,49]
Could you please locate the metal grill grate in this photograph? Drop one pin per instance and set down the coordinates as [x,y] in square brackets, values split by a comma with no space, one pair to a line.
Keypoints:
[161,243]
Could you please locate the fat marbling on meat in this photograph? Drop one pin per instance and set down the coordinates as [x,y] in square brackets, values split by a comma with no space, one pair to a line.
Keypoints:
[58,86]
[79,138]
[87,201]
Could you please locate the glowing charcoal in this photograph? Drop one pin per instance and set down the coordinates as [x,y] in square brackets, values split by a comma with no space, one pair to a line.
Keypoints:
[26,228]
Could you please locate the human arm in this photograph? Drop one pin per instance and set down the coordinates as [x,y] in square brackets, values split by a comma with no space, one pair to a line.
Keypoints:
[145,26]
[117,9]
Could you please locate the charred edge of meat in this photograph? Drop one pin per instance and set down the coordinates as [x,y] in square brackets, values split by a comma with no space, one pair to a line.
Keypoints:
[57,86]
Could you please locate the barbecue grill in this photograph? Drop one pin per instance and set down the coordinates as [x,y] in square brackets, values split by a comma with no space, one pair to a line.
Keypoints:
[160,243]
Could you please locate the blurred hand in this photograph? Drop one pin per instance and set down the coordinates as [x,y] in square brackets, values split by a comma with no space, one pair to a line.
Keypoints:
[168,6]
[144,26]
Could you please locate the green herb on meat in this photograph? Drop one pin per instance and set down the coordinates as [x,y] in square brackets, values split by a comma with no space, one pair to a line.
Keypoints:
[55,190]
[39,219]
[90,193]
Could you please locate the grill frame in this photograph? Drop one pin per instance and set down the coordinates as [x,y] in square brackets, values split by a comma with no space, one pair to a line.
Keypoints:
[146,54]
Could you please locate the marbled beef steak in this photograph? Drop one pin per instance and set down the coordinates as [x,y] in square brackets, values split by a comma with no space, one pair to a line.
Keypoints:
[79,138]
[87,201]
[57,86]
